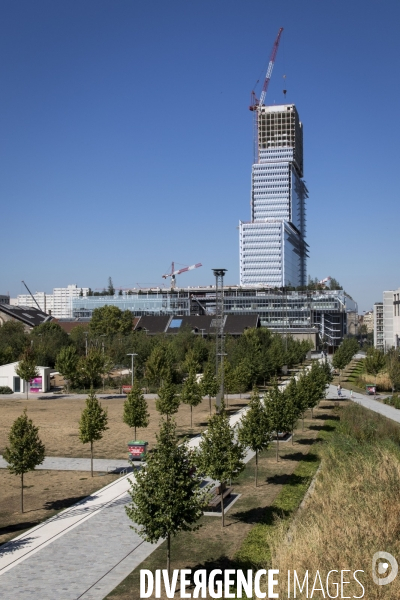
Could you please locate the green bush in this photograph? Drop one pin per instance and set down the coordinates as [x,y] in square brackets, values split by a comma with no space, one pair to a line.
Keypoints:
[4,389]
[393,401]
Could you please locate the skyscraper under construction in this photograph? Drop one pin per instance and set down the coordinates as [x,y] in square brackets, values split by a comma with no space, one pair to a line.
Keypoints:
[273,250]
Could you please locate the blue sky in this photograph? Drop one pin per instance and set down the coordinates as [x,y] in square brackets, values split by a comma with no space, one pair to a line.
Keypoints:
[126,140]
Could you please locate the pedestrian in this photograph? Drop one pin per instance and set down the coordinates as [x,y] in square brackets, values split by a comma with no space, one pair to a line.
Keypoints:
[339,390]
[351,394]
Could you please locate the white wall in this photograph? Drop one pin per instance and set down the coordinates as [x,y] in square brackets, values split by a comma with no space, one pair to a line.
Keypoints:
[8,375]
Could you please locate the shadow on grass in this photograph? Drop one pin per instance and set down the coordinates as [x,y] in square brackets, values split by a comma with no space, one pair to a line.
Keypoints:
[287,479]
[266,516]
[322,428]
[17,527]
[329,417]
[64,503]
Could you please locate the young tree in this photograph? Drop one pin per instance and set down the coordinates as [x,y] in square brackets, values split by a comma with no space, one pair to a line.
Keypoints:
[220,455]
[25,451]
[168,400]
[92,424]
[191,394]
[135,409]
[292,406]
[254,429]
[209,383]
[110,287]
[166,497]
[67,363]
[393,368]
[242,376]
[301,397]
[26,368]
[275,407]
[374,362]
[91,367]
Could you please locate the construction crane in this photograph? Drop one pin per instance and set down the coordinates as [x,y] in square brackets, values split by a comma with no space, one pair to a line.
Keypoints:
[256,105]
[32,296]
[324,281]
[174,272]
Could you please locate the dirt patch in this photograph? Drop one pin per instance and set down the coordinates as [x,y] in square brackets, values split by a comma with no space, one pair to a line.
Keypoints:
[58,420]
[45,494]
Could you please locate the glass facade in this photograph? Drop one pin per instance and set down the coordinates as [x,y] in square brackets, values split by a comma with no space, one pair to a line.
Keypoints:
[276,309]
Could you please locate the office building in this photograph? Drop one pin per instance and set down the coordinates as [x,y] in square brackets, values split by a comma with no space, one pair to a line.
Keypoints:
[273,250]
[324,312]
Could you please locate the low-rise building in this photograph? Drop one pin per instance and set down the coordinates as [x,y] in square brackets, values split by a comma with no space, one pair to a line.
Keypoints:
[30,317]
[9,378]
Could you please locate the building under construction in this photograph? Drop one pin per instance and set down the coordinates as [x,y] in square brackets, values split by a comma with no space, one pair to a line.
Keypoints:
[273,249]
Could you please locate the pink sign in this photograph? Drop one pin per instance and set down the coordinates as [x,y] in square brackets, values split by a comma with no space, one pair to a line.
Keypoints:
[35,385]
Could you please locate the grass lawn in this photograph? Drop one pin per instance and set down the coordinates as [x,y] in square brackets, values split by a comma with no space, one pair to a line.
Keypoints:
[58,420]
[213,547]
[45,494]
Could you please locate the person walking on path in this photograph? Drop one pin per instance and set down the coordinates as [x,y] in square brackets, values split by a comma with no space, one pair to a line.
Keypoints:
[339,390]
[351,394]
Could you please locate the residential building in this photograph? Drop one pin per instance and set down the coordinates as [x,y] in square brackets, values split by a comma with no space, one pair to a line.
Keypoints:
[58,304]
[368,321]
[387,321]
[378,325]
[273,250]
[4,299]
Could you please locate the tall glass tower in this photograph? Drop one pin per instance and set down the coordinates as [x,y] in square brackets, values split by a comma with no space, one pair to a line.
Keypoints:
[273,250]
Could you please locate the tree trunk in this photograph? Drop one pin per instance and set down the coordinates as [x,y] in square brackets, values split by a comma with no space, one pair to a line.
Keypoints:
[191,417]
[91,458]
[27,389]
[168,554]
[312,412]
[209,399]
[292,436]
[256,467]
[222,504]
[135,434]
[277,446]
[22,492]
[303,421]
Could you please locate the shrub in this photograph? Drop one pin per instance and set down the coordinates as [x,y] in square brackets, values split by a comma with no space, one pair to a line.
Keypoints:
[4,389]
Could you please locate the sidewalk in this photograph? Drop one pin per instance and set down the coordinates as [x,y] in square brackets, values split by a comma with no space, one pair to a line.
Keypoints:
[367,401]
[54,463]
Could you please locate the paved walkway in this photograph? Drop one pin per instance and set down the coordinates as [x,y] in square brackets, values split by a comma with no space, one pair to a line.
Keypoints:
[54,463]
[368,402]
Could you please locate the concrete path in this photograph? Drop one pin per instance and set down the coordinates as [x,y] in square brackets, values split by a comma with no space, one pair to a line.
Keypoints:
[105,465]
[368,402]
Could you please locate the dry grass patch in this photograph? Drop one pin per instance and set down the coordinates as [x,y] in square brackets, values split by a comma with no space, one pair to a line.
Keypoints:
[58,419]
[354,510]
[45,494]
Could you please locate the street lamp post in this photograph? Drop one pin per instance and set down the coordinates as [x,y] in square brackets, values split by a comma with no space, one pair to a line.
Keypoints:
[132,354]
